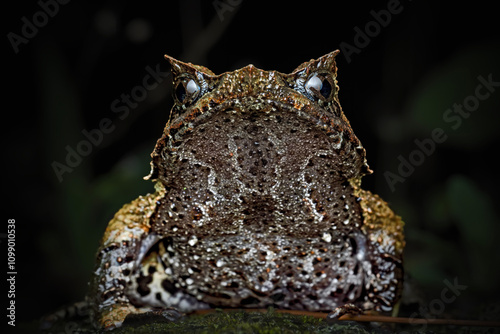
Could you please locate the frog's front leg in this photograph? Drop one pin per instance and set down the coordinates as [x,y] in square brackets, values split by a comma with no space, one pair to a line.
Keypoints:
[109,294]
[125,242]
[383,258]
[133,275]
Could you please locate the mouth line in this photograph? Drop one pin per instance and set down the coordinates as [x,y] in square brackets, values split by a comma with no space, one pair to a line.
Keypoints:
[316,115]
[334,126]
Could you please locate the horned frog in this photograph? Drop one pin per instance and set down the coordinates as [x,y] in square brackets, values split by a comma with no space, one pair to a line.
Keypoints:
[257,203]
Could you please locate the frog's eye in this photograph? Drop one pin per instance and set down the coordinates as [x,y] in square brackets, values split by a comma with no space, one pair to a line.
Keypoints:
[320,86]
[186,91]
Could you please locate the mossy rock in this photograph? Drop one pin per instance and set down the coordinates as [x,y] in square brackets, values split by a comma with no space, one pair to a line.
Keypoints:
[239,321]
[269,322]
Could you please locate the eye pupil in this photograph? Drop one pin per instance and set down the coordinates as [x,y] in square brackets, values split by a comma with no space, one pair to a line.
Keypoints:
[326,88]
[186,91]
[180,93]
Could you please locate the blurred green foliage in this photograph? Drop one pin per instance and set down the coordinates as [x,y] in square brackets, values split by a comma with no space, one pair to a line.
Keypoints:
[448,203]
[85,203]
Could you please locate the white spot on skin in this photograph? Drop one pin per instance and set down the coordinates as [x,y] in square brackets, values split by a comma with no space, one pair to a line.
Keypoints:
[361,254]
[327,237]
[193,240]
[339,144]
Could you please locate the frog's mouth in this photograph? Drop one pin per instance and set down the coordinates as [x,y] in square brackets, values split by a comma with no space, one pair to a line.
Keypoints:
[257,118]
[331,123]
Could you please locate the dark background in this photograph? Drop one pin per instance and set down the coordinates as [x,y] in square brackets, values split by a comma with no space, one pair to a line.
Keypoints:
[394,90]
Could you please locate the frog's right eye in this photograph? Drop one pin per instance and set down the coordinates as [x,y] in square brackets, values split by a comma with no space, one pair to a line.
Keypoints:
[186,91]
[320,86]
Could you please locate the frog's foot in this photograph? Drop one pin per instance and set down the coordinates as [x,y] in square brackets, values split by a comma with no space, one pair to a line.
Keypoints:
[342,310]
[113,316]
[117,315]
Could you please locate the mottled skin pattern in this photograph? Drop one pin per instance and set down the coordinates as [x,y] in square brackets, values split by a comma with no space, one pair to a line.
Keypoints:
[257,203]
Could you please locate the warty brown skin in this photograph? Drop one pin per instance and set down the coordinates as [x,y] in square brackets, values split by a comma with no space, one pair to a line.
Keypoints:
[257,203]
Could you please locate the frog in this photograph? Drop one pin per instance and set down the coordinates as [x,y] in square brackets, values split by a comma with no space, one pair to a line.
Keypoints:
[257,203]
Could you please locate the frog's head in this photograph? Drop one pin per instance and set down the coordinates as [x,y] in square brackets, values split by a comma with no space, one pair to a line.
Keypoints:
[310,93]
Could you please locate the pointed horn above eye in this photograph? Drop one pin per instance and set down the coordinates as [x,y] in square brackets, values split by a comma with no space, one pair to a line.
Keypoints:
[179,67]
[327,61]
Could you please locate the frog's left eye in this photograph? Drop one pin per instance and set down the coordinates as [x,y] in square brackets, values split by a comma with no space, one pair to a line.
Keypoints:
[186,91]
[320,86]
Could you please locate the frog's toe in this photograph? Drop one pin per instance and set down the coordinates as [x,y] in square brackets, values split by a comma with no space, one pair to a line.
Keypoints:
[341,310]
[114,316]
[172,314]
